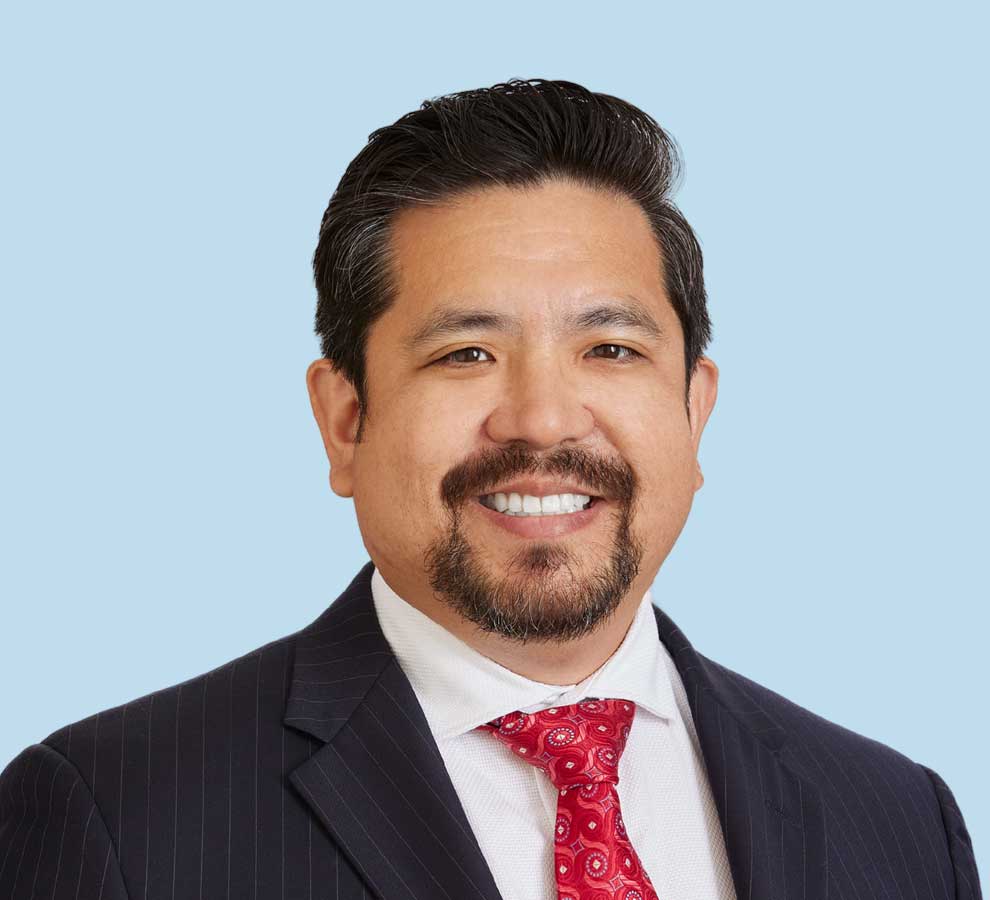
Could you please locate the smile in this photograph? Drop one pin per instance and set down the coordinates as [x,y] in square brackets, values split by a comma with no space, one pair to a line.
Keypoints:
[541,525]
[527,505]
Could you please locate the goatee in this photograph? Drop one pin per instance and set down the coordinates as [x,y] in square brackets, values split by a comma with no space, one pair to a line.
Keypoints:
[533,600]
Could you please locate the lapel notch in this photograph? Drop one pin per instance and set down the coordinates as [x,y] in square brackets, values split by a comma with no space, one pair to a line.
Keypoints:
[772,819]
[378,782]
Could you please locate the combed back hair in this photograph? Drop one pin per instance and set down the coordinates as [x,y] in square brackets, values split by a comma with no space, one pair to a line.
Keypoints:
[517,134]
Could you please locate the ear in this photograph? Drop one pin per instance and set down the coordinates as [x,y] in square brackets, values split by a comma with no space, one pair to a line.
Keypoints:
[701,402]
[335,408]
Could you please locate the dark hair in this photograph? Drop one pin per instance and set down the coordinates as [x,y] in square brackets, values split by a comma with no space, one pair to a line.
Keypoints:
[516,134]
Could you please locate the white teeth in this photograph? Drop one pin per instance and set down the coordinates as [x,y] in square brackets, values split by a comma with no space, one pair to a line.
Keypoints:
[531,504]
[527,505]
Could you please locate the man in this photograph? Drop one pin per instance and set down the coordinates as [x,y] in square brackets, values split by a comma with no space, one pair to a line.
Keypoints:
[513,390]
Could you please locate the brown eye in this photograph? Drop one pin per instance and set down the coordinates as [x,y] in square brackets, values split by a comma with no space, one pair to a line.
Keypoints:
[616,348]
[462,356]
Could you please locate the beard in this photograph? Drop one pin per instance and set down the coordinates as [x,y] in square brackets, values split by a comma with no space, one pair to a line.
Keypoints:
[542,595]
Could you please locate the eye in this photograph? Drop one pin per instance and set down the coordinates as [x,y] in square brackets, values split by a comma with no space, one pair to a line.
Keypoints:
[467,355]
[449,359]
[617,347]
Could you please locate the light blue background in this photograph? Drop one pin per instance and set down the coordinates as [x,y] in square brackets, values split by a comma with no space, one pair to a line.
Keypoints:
[164,488]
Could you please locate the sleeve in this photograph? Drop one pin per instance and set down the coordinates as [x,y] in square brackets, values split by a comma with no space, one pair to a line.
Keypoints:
[960,844]
[53,840]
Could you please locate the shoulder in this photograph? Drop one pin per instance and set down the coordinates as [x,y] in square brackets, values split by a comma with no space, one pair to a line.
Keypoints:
[98,778]
[244,691]
[857,775]
[803,733]
[869,788]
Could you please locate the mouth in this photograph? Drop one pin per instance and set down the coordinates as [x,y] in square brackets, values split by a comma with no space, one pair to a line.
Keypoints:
[550,522]
[530,505]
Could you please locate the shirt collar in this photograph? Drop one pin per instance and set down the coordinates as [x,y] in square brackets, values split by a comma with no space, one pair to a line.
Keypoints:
[460,688]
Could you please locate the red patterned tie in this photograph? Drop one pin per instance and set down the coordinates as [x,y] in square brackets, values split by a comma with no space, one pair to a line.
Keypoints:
[579,746]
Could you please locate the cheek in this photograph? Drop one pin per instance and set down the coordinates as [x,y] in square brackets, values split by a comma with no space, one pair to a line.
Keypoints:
[664,504]
[406,460]
[666,472]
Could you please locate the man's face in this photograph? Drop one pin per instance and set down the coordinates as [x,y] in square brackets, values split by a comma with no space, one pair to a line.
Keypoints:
[531,351]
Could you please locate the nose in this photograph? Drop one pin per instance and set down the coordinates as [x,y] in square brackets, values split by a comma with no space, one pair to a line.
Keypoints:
[540,407]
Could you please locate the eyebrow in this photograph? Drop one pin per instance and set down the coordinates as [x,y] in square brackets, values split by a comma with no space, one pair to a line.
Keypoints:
[451,321]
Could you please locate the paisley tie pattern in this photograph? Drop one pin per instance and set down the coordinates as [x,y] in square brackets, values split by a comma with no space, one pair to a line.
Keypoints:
[578,747]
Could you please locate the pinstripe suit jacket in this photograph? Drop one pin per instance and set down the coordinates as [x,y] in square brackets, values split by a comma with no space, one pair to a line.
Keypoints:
[306,769]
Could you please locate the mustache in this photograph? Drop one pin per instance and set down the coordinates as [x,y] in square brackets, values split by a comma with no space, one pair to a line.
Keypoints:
[609,478]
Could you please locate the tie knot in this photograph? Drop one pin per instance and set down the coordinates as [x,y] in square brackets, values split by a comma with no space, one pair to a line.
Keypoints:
[575,745]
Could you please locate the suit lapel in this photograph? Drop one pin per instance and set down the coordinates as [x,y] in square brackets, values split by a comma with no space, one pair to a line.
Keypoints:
[772,820]
[378,782]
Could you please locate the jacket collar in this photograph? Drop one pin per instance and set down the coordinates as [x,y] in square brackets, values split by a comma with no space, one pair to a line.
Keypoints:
[379,784]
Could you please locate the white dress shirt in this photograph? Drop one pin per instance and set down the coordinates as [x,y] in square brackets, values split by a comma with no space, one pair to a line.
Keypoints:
[511,805]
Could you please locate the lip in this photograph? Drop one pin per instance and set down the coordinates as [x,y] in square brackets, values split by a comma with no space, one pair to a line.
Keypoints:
[543,526]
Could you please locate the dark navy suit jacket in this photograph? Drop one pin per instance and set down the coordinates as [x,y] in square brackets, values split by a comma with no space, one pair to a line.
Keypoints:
[306,769]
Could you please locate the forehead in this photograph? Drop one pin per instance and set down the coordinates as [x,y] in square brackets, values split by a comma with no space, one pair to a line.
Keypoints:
[531,251]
